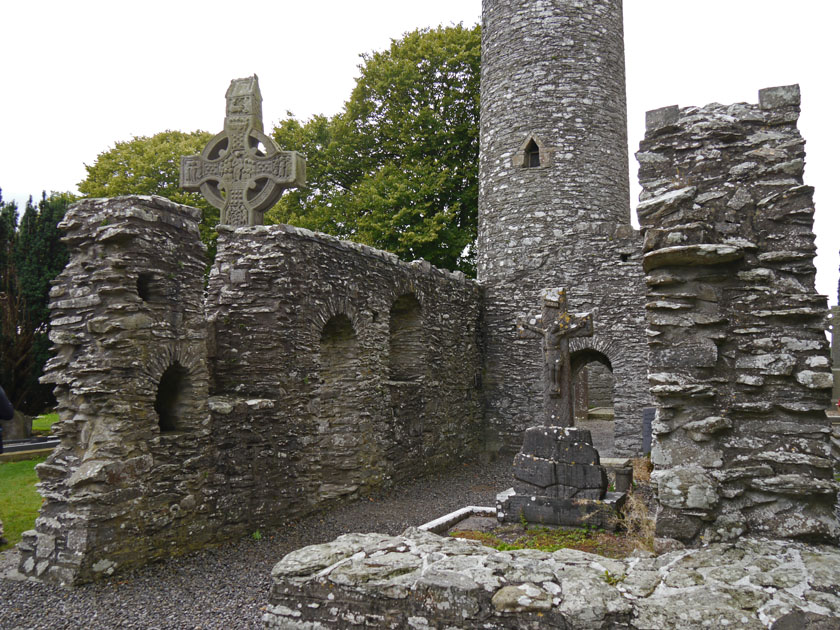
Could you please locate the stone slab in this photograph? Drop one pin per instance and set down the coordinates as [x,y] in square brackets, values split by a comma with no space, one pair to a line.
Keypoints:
[419,580]
[569,512]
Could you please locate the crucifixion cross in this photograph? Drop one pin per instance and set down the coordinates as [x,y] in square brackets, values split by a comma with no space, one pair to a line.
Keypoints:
[555,326]
[241,171]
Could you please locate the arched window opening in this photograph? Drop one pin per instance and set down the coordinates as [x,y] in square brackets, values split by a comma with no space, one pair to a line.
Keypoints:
[406,358]
[144,286]
[532,154]
[170,403]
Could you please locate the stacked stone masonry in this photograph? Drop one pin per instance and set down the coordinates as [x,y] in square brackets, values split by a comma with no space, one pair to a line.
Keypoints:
[315,370]
[129,480]
[739,361]
[552,82]
[336,367]
[419,580]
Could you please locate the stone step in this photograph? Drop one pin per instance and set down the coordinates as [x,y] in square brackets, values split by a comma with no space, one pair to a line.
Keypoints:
[601,413]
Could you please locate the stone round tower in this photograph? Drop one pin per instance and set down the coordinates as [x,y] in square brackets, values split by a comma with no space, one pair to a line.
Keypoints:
[554,207]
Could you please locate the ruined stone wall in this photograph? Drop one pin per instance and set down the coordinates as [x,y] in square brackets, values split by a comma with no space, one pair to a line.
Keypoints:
[129,480]
[554,207]
[601,385]
[337,369]
[738,354]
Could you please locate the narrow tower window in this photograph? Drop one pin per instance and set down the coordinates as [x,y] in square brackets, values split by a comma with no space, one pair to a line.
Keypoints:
[532,155]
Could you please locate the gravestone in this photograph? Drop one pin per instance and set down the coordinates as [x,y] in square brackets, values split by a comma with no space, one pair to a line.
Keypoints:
[558,477]
[241,171]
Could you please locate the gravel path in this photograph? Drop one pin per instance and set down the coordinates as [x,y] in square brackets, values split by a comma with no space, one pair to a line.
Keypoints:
[225,587]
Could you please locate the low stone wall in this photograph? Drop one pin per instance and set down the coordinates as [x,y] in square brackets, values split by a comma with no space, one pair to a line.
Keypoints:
[337,369]
[420,580]
[739,361]
[129,481]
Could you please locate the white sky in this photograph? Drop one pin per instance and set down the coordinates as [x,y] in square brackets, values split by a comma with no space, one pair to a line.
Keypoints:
[78,76]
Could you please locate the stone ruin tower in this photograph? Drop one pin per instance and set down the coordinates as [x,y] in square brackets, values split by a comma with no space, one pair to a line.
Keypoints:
[554,206]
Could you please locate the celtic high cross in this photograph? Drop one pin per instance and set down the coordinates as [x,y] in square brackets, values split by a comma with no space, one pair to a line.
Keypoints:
[241,171]
[555,326]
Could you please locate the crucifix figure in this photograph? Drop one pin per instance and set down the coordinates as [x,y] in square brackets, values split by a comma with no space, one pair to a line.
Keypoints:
[241,171]
[555,326]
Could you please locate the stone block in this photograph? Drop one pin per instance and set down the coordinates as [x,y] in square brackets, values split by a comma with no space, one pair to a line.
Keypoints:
[534,471]
[581,476]
[569,512]
[569,445]
[778,97]
[656,119]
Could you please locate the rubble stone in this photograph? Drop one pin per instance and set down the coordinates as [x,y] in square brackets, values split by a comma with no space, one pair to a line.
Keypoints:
[738,358]
[420,580]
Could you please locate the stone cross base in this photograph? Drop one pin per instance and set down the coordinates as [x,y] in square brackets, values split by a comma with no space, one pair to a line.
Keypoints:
[559,480]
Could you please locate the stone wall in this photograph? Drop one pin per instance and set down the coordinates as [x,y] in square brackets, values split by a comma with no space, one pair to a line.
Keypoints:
[337,369]
[129,481]
[554,203]
[419,580]
[601,385]
[739,361]
[316,370]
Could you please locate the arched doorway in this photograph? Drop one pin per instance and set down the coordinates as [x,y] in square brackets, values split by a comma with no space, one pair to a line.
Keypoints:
[594,391]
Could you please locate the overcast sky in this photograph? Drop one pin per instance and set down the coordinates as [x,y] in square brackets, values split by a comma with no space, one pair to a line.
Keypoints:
[78,76]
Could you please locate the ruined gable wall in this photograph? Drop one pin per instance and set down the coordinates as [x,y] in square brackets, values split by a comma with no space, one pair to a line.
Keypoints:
[337,369]
[120,491]
[553,72]
[738,355]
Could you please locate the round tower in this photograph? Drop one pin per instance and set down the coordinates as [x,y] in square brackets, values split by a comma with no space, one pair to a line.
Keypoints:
[554,207]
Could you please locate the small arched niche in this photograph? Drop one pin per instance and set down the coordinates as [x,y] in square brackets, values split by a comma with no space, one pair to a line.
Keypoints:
[339,352]
[406,354]
[171,401]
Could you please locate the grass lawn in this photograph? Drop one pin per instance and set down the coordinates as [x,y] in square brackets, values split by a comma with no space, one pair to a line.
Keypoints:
[19,500]
[44,422]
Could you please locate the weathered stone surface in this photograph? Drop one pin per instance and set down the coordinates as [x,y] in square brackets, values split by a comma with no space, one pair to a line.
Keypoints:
[347,369]
[420,580]
[738,359]
[556,327]
[241,171]
[18,428]
[558,480]
[129,481]
[335,369]
[554,71]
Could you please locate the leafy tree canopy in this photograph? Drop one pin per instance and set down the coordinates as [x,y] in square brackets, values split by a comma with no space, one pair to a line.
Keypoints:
[398,167]
[31,255]
[151,166]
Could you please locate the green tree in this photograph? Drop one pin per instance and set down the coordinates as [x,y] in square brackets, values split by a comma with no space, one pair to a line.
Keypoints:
[398,167]
[152,166]
[31,256]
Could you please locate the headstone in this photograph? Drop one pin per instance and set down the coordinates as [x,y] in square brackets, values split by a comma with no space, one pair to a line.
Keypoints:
[18,428]
[241,171]
[558,477]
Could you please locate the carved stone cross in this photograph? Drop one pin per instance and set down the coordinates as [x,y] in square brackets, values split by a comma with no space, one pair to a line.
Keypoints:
[555,326]
[241,171]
